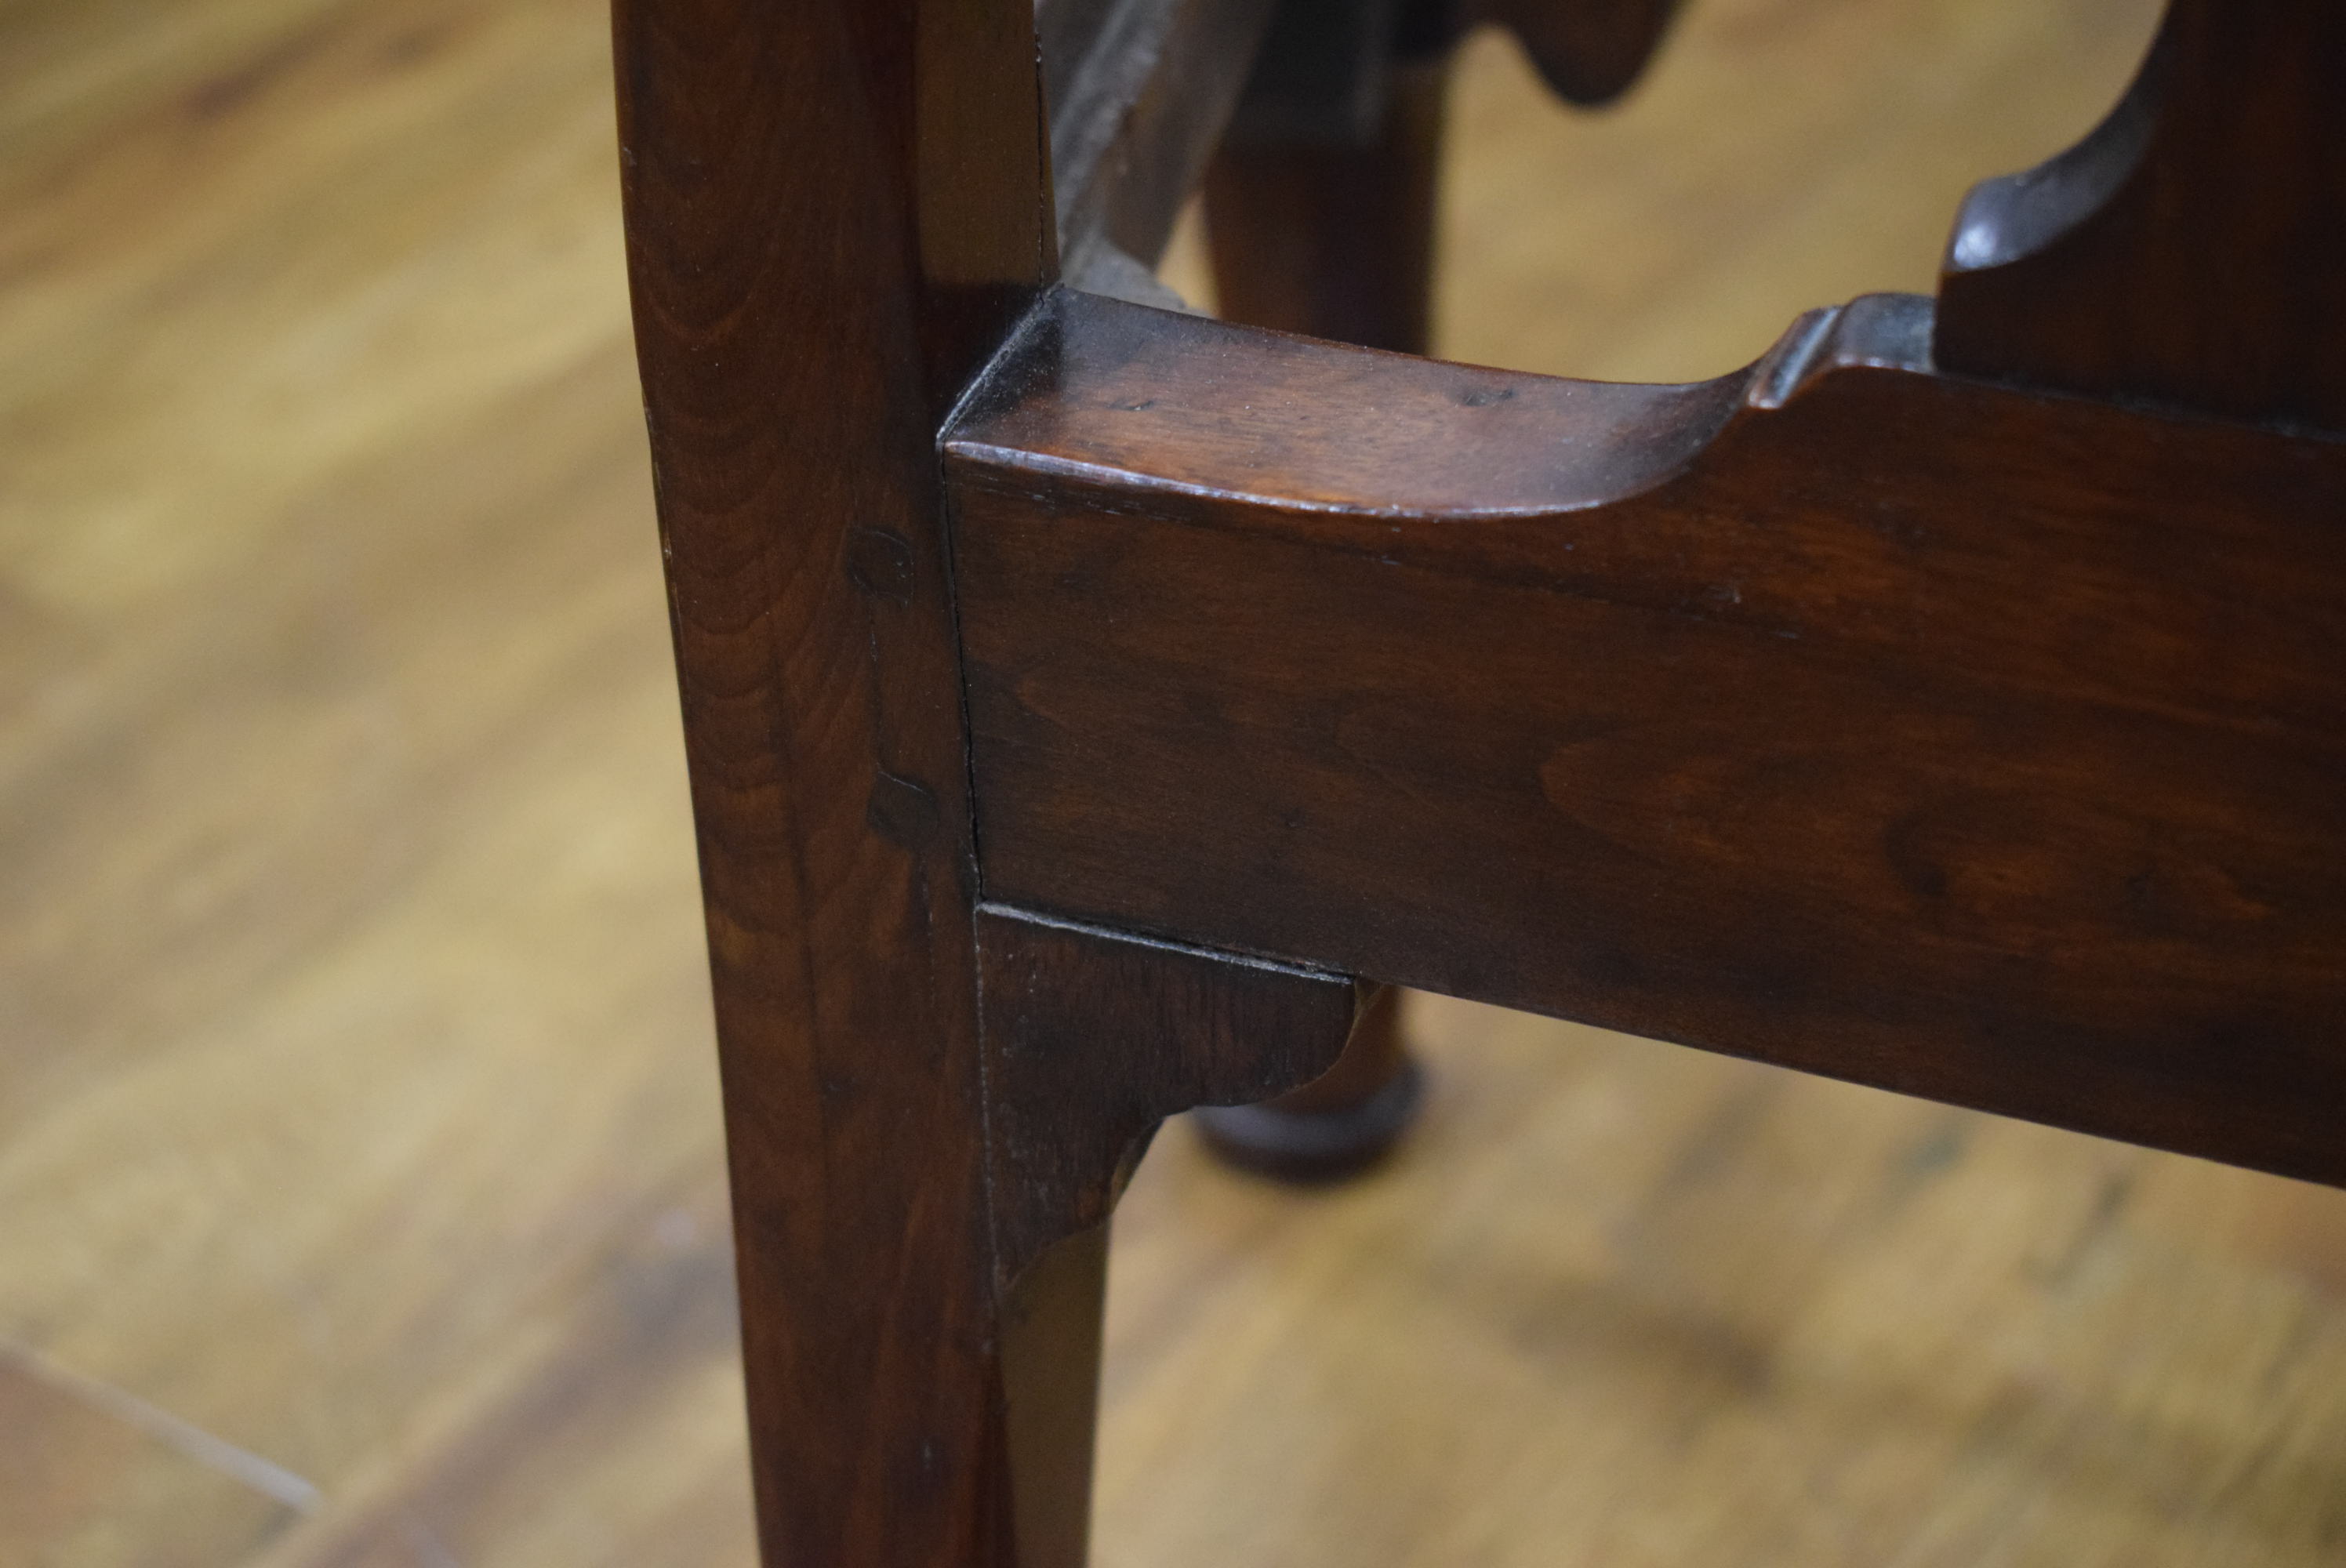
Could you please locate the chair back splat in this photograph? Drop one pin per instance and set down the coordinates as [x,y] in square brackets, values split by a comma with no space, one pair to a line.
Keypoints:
[2189,251]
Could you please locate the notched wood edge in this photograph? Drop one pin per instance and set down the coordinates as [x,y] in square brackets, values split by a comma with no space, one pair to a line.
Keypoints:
[1036,423]
[1872,332]
[2007,219]
[1091,1037]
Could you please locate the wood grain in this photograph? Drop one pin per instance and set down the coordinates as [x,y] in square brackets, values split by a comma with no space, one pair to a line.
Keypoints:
[357,1099]
[2147,262]
[1094,1037]
[1332,236]
[1138,92]
[1952,738]
[1335,242]
[802,323]
[1091,1040]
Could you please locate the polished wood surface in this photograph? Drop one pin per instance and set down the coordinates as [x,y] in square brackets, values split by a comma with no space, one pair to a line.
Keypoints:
[1092,1039]
[1941,735]
[1345,1122]
[360,1102]
[1335,242]
[1078,1087]
[2148,263]
[1138,92]
[927,1101]
[1328,231]
[797,353]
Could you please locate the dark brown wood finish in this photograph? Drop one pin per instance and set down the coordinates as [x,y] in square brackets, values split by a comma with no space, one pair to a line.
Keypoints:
[1091,1039]
[929,1112]
[1588,51]
[1321,226]
[835,211]
[1320,210]
[1961,739]
[1138,91]
[1342,1122]
[1094,1037]
[1331,239]
[2189,251]
[1948,734]
[1319,204]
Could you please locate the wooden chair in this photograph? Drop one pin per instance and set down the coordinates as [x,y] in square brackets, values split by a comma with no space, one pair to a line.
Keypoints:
[1079,694]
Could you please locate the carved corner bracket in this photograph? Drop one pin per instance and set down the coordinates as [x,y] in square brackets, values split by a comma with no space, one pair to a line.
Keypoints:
[1093,1037]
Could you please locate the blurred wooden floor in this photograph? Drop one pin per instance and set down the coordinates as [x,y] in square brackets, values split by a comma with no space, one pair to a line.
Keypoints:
[359,1188]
